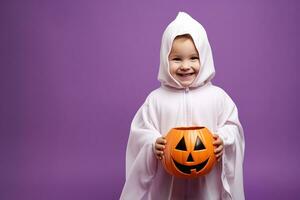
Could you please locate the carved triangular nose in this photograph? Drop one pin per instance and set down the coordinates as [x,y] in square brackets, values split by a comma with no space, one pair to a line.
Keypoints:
[190,158]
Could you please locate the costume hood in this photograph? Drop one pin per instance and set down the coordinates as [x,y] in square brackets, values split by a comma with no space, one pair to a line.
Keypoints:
[185,24]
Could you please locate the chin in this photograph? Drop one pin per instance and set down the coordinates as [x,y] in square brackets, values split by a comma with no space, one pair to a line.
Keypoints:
[185,84]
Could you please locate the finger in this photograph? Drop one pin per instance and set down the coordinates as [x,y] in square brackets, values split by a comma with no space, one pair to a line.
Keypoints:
[219,155]
[159,147]
[159,153]
[159,156]
[217,142]
[219,149]
[161,141]
[215,136]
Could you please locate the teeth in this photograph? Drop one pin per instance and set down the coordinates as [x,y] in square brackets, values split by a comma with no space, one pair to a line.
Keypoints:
[186,74]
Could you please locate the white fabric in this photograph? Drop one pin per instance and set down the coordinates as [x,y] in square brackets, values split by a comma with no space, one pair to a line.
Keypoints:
[171,105]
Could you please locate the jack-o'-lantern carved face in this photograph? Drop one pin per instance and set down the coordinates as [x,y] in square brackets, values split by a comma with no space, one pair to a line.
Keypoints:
[189,152]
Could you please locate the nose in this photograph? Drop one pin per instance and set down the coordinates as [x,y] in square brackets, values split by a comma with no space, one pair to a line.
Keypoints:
[185,66]
[190,158]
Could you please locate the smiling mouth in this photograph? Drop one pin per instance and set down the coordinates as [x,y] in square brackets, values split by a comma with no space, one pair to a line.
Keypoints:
[188,169]
[183,75]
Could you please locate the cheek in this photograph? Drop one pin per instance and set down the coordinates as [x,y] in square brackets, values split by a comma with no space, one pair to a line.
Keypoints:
[173,67]
[197,67]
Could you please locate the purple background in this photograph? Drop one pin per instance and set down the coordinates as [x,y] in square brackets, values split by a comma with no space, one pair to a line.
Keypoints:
[73,74]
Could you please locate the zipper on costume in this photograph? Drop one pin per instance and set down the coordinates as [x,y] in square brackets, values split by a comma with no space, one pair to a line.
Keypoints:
[186,91]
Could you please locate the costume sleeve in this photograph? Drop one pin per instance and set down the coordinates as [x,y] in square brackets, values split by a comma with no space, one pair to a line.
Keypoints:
[141,163]
[231,131]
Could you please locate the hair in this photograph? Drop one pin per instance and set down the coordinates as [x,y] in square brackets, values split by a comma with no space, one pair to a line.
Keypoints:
[188,36]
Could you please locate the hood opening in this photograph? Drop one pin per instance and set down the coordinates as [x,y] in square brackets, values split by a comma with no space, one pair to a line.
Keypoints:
[184,24]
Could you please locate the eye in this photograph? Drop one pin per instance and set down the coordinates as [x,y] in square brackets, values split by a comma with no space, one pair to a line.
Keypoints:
[176,59]
[199,145]
[194,58]
[181,145]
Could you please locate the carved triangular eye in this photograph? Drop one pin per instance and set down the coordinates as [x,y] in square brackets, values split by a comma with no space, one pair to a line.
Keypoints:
[181,145]
[199,145]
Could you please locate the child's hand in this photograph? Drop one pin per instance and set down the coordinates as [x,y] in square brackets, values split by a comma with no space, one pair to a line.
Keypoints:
[219,145]
[159,147]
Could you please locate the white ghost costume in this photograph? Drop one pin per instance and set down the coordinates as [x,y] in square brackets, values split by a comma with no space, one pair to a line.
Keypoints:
[171,105]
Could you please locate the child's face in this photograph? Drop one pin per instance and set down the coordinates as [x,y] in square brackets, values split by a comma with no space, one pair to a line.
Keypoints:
[184,61]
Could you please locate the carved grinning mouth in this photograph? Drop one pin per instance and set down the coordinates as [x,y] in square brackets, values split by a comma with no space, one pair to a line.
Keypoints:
[188,169]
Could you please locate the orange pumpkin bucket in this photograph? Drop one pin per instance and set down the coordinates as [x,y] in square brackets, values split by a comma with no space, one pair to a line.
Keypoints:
[189,152]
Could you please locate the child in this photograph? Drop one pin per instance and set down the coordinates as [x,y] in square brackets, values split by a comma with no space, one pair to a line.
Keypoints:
[186,98]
